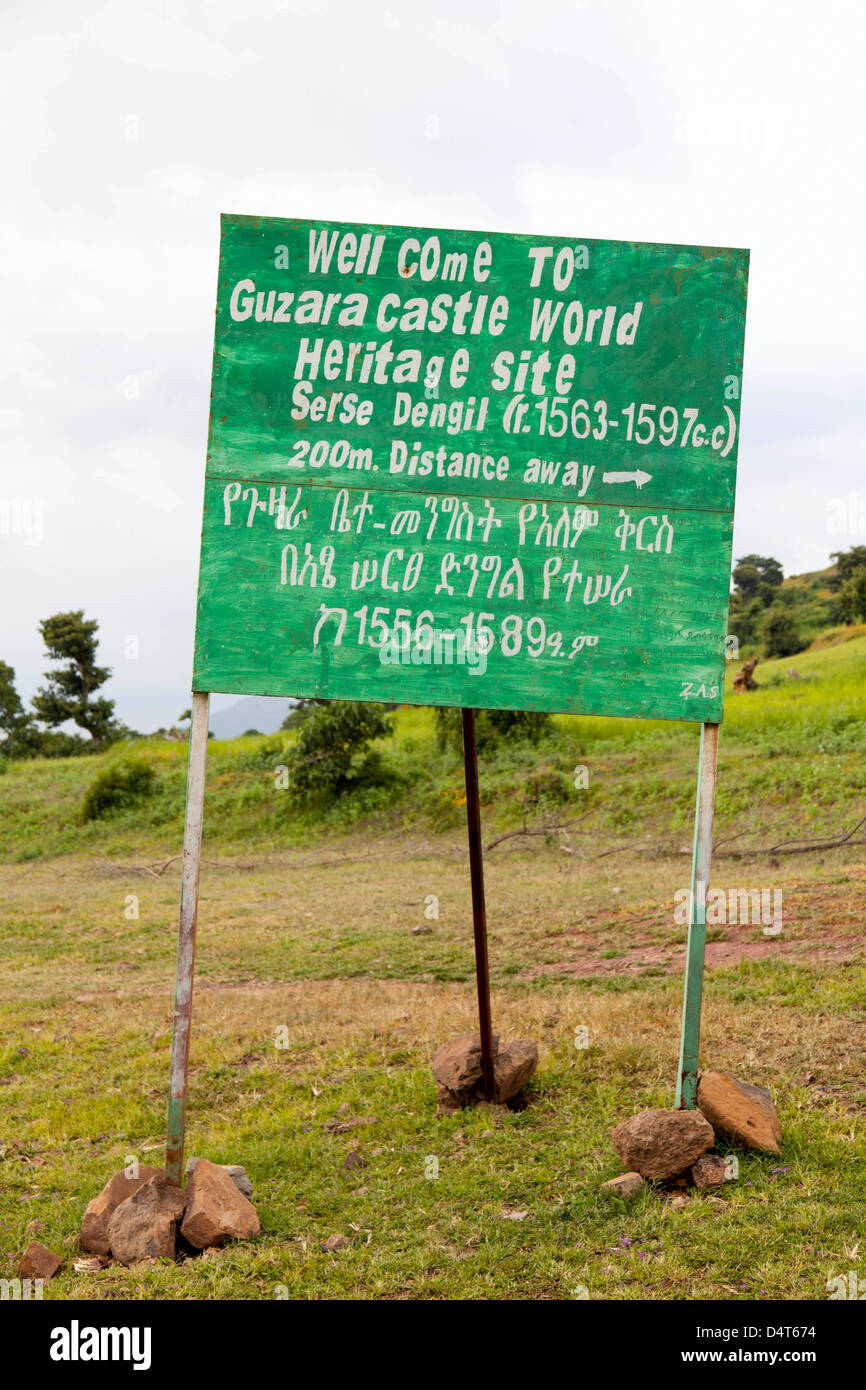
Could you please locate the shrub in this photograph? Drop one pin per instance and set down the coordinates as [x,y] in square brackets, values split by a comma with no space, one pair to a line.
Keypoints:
[299,712]
[547,787]
[490,726]
[117,786]
[268,754]
[781,633]
[332,748]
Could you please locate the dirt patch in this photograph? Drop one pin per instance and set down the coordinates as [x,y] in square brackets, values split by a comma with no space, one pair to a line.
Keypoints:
[826,946]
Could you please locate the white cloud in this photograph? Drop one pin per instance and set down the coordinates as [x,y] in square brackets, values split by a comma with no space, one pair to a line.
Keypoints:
[130,128]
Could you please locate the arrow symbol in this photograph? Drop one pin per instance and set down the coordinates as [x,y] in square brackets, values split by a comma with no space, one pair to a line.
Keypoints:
[638,476]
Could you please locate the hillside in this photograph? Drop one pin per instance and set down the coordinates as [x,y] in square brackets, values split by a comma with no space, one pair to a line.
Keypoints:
[324,985]
[794,747]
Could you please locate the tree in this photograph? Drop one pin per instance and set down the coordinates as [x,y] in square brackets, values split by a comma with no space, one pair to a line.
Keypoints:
[69,693]
[781,634]
[852,597]
[847,563]
[756,576]
[850,583]
[490,726]
[20,735]
[300,711]
[332,748]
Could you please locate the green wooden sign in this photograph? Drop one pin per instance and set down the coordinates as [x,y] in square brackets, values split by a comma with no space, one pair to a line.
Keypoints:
[464,468]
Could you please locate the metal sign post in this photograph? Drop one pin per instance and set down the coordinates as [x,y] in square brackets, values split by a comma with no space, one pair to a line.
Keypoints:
[186,938]
[687,1078]
[479,911]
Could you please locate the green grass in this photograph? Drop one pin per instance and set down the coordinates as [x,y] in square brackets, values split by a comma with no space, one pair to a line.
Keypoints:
[790,1226]
[794,746]
[306,925]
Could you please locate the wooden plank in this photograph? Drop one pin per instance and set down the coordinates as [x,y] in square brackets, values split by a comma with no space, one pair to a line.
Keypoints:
[186,937]
[687,1077]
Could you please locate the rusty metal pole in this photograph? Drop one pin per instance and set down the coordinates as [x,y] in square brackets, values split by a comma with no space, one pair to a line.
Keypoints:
[687,1076]
[479,911]
[186,938]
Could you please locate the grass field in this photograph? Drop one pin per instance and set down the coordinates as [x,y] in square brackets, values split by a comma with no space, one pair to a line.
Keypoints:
[305,935]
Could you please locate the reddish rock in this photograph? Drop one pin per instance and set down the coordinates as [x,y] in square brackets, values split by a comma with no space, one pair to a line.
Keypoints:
[238,1174]
[215,1210]
[458,1076]
[94,1227]
[626,1185]
[144,1227]
[457,1064]
[38,1263]
[744,1112]
[709,1171]
[513,1066]
[659,1144]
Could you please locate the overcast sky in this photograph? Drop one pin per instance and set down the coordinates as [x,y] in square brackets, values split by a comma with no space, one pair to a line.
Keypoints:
[129,126]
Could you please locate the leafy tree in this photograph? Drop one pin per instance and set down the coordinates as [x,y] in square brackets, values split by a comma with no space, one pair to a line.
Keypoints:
[20,737]
[852,597]
[332,748]
[781,633]
[747,580]
[69,693]
[757,576]
[849,581]
[490,726]
[745,620]
[299,712]
[847,563]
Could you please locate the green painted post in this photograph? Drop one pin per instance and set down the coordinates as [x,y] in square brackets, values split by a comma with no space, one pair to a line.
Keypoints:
[687,1077]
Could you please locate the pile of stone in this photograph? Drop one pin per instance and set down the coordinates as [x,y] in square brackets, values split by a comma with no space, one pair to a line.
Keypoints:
[458,1075]
[673,1147]
[145,1218]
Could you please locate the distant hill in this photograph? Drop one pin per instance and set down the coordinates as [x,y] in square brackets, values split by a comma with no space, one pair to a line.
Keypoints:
[262,712]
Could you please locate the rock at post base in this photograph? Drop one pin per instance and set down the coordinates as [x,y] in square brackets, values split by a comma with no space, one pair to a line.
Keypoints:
[37,1262]
[144,1227]
[745,1112]
[215,1210]
[94,1227]
[659,1144]
[513,1066]
[709,1171]
[457,1071]
[458,1075]
[626,1185]
[457,1064]
[236,1172]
